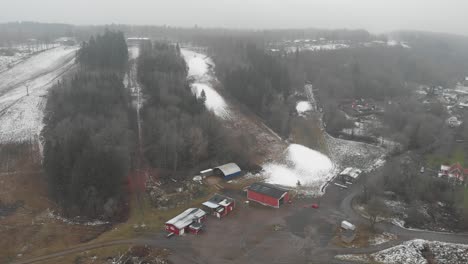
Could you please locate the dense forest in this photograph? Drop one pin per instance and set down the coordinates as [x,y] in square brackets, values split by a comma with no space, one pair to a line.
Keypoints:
[107,52]
[178,132]
[87,135]
[257,79]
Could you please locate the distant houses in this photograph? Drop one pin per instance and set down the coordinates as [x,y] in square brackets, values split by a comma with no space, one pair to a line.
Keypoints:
[453,122]
[66,41]
[454,172]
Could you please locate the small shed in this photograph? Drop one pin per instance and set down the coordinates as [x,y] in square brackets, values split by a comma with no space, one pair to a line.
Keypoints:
[267,194]
[350,174]
[219,205]
[188,221]
[207,172]
[228,171]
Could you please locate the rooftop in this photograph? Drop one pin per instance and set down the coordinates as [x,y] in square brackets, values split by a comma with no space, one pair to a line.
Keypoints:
[352,172]
[187,217]
[229,168]
[218,200]
[267,189]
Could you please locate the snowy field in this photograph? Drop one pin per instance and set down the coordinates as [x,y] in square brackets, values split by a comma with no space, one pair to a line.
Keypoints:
[300,164]
[412,252]
[200,69]
[21,115]
[20,52]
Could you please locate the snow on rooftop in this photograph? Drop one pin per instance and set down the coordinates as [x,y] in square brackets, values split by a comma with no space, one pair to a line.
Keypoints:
[187,217]
[303,164]
[200,69]
[302,107]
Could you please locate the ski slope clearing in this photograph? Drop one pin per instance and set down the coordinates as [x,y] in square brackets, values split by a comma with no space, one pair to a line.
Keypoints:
[413,252]
[214,101]
[200,70]
[302,107]
[300,164]
[21,114]
[32,68]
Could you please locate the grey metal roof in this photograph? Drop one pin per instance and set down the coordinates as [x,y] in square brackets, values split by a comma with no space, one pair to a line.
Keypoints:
[267,189]
[187,217]
[229,168]
[218,198]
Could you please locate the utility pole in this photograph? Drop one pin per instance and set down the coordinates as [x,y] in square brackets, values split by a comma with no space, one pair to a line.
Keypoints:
[27,89]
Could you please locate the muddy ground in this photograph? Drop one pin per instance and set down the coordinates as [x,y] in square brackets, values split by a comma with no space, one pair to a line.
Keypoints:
[257,234]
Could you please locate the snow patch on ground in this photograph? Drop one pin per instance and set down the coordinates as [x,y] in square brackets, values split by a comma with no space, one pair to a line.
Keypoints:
[412,252]
[347,153]
[381,238]
[311,168]
[200,69]
[302,107]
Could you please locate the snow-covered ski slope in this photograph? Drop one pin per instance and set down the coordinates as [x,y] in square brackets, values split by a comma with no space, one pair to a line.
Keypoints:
[21,114]
[200,70]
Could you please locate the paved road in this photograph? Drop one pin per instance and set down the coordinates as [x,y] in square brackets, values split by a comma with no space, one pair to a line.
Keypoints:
[403,233]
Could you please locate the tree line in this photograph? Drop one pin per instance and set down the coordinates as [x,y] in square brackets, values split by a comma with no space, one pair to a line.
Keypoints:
[88,137]
[179,134]
[256,79]
[107,51]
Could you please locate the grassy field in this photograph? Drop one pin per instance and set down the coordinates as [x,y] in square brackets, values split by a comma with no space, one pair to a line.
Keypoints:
[144,218]
[458,155]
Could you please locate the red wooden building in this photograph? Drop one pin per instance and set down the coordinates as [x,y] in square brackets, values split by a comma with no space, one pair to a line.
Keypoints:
[188,221]
[220,205]
[267,194]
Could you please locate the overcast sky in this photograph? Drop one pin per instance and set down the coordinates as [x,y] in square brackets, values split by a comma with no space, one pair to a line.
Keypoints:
[374,15]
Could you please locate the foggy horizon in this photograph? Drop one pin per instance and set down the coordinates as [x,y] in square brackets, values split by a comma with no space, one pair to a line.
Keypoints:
[377,16]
